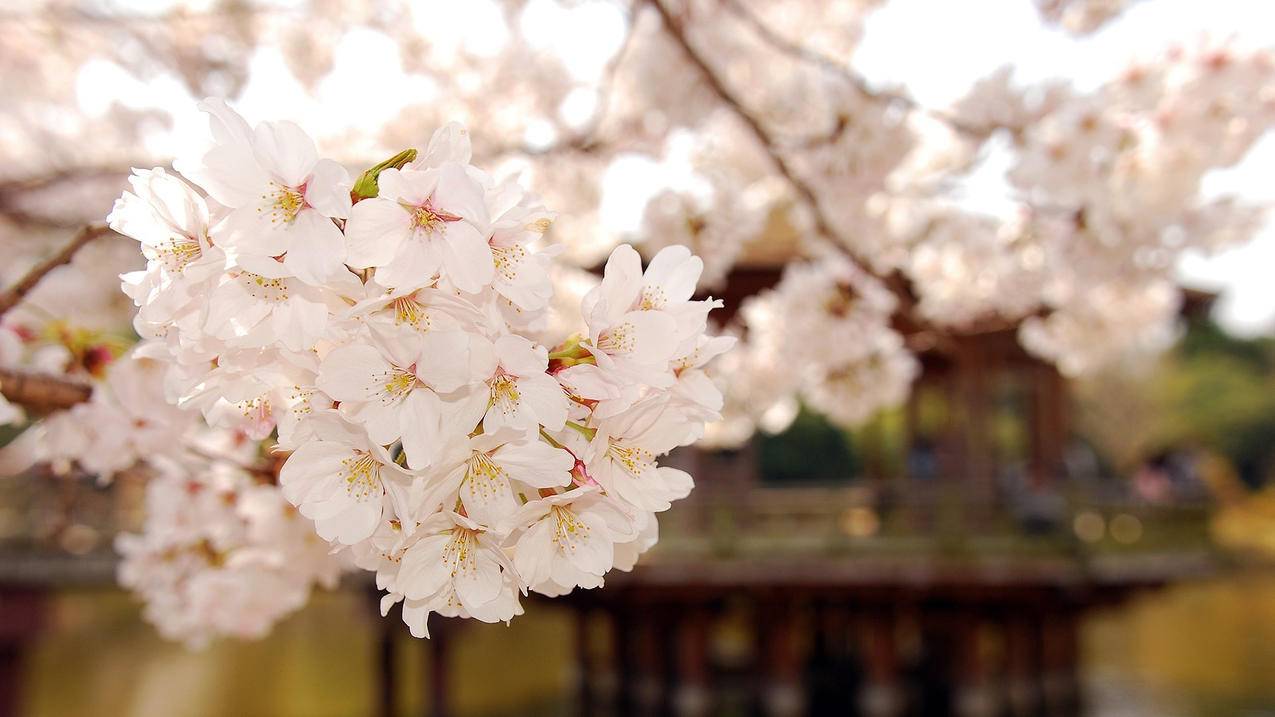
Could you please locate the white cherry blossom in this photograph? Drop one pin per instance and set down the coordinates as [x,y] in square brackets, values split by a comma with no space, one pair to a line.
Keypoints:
[421,223]
[568,540]
[282,195]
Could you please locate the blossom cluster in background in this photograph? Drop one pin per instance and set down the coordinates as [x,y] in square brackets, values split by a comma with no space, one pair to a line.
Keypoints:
[1057,205]
[389,336]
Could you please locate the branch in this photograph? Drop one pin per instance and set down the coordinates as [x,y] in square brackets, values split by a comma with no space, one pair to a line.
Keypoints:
[14,295]
[804,54]
[895,282]
[42,392]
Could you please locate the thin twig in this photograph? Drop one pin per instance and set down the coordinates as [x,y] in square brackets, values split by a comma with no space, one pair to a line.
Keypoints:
[895,282]
[15,294]
[42,392]
[839,69]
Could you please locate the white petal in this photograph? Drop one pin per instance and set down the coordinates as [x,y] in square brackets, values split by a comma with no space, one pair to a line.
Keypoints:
[423,571]
[407,185]
[517,355]
[543,396]
[536,463]
[420,427]
[349,373]
[675,271]
[450,143]
[316,251]
[286,151]
[480,585]
[457,193]
[593,552]
[415,264]
[375,231]
[328,190]
[467,258]
[621,285]
[444,361]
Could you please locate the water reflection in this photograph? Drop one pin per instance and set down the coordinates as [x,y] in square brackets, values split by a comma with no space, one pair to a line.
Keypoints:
[1192,650]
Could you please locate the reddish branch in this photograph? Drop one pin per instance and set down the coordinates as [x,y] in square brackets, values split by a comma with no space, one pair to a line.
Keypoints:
[42,392]
[36,391]
[897,283]
[15,293]
[804,54]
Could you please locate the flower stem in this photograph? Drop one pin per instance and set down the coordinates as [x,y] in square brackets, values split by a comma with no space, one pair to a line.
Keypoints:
[545,435]
[585,431]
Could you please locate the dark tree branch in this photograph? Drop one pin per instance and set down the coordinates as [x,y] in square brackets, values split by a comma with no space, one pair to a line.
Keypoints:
[897,283]
[42,392]
[804,54]
[15,294]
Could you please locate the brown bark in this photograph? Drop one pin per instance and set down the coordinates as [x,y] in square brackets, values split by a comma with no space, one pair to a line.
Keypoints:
[42,392]
[15,294]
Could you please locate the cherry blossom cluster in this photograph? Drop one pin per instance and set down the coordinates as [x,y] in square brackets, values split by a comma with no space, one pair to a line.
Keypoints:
[768,147]
[220,554]
[126,420]
[394,335]
[1105,193]
[861,365]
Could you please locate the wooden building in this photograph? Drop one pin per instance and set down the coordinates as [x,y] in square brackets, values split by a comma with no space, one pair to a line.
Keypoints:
[948,577]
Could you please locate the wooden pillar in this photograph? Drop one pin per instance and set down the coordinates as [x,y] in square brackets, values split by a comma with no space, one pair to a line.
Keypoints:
[782,690]
[1023,666]
[439,675]
[1049,418]
[974,694]
[383,655]
[693,696]
[22,616]
[621,662]
[585,661]
[650,635]
[971,424]
[882,692]
[1061,662]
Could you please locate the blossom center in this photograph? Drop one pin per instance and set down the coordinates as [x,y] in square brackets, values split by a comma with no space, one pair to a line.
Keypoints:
[426,218]
[508,259]
[653,298]
[283,204]
[458,554]
[504,392]
[178,252]
[636,460]
[362,475]
[397,383]
[408,310]
[568,529]
[301,399]
[618,339]
[255,409]
[484,475]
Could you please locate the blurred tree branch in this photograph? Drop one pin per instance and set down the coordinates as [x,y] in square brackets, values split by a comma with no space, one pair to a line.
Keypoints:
[841,70]
[895,282]
[42,392]
[11,297]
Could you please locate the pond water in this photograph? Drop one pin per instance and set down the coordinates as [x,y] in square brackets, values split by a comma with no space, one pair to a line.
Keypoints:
[1196,650]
